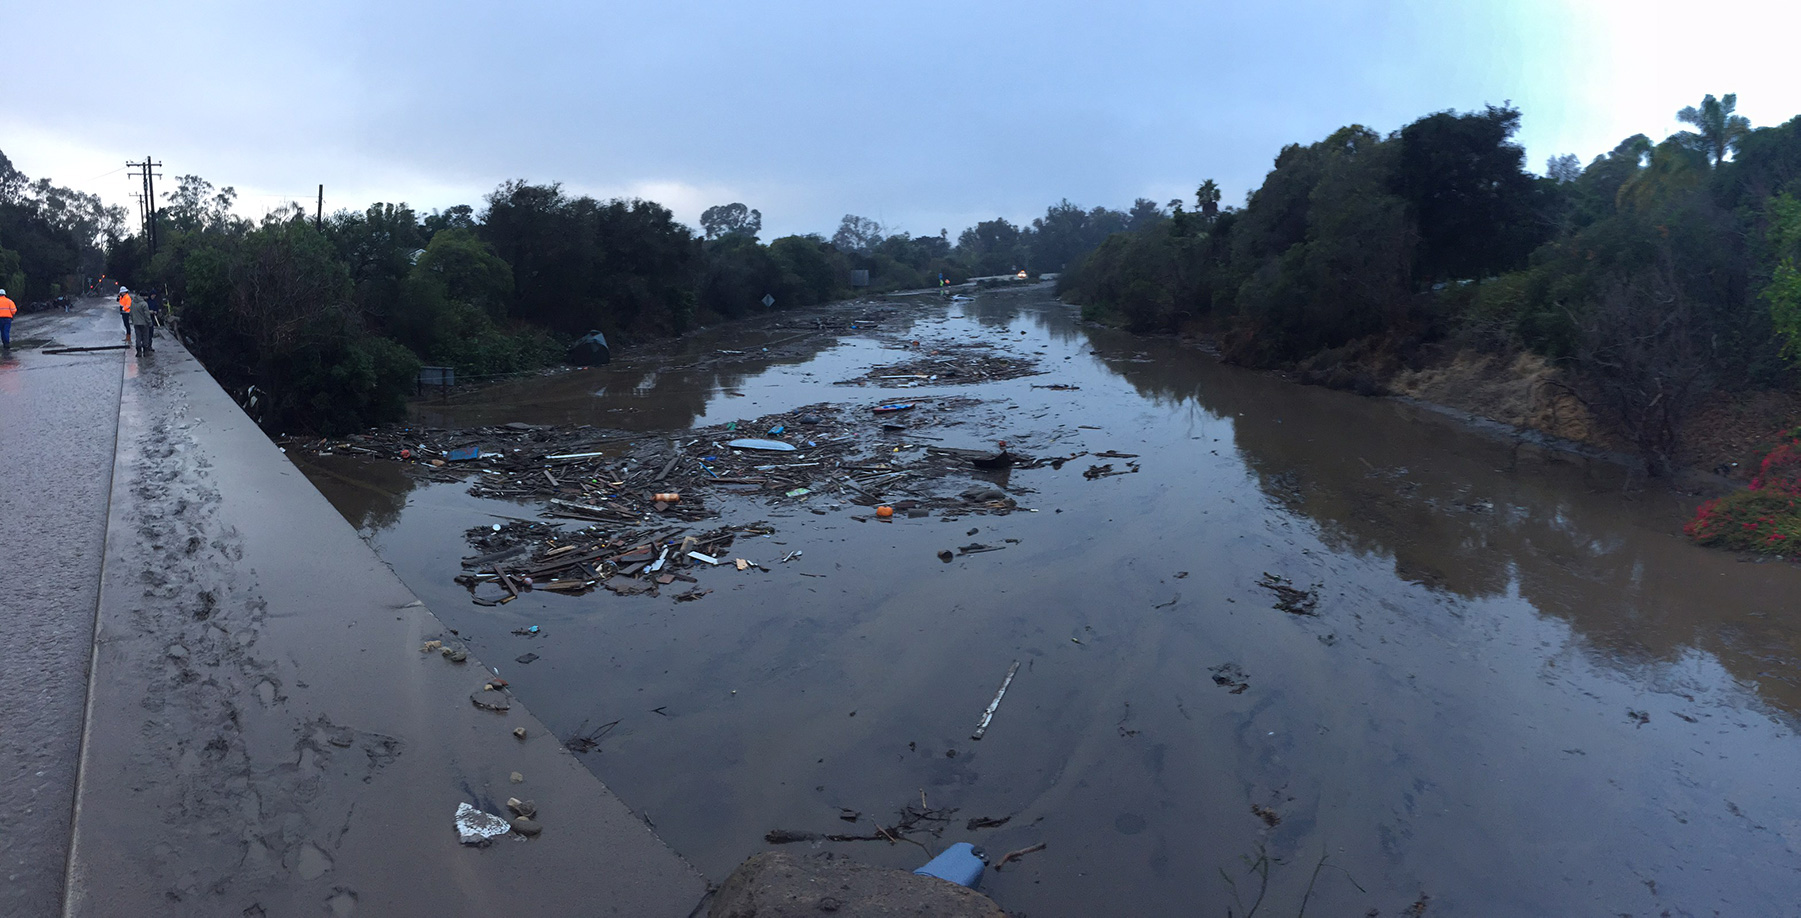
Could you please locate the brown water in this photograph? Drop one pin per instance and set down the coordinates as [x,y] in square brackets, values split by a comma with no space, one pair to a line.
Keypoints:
[1524,692]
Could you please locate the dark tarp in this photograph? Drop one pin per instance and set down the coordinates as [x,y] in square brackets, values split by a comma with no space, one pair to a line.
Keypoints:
[590,351]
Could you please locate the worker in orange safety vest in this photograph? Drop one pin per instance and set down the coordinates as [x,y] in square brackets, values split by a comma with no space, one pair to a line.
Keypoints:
[125,310]
[8,309]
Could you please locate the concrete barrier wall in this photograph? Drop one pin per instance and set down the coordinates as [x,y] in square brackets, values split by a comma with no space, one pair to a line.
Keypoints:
[264,735]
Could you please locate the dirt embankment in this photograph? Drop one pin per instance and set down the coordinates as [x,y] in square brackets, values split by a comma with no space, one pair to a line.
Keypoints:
[1728,432]
[1735,430]
[1520,390]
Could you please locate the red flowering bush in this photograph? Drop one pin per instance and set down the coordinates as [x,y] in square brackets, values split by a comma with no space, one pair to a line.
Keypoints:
[1781,471]
[1766,517]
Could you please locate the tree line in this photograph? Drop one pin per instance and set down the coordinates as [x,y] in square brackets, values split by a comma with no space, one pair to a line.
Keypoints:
[329,319]
[1655,275]
[50,237]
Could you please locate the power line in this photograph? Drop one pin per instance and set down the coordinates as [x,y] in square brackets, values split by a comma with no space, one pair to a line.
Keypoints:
[105,174]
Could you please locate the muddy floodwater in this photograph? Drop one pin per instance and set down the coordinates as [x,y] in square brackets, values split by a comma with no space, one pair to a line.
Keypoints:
[1520,691]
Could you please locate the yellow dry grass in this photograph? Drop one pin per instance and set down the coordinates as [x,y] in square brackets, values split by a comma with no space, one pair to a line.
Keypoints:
[1521,390]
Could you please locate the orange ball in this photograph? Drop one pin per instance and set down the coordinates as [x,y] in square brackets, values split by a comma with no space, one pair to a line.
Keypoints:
[884,512]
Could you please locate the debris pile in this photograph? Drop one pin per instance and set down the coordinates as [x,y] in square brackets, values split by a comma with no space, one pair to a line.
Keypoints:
[862,454]
[1289,598]
[909,821]
[948,364]
[625,562]
[639,496]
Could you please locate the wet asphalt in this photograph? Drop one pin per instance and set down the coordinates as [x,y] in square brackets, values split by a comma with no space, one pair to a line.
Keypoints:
[58,425]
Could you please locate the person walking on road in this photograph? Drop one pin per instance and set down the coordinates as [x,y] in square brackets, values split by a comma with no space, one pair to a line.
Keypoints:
[125,311]
[8,309]
[142,329]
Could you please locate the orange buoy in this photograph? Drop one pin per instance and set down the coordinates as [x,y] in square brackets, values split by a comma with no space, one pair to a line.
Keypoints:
[670,498]
[884,512]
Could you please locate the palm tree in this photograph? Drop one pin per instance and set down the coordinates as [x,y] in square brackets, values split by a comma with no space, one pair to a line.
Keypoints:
[1720,129]
[1208,193]
[1206,197]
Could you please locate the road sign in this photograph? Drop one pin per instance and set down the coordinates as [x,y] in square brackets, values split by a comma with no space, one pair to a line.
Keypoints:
[768,301]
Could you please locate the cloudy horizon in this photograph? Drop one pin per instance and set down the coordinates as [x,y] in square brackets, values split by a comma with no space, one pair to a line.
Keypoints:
[924,117]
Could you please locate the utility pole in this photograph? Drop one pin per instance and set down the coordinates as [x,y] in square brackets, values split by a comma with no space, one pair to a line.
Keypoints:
[146,171]
[143,219]
[319,213]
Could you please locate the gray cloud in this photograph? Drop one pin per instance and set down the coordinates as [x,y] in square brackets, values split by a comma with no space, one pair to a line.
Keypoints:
[925,115]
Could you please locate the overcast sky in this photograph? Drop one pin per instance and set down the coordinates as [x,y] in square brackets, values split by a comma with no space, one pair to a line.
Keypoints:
[923,115]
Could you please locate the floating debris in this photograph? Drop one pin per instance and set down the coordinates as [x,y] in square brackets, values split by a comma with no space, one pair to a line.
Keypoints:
[1289,598]
[1012,856]
[1107,470]
[988,715]
[585,741]
[637,497]
[774,446]
[1230,676]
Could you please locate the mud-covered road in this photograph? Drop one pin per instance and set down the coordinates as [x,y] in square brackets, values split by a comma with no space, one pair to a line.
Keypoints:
[1519,690]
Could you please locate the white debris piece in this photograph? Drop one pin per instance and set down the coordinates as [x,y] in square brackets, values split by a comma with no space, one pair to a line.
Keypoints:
[475,827]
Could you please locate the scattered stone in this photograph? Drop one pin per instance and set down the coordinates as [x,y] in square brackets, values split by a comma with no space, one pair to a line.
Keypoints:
[519,732]
[525,826]
[520,807]
[525,658]
[516,778]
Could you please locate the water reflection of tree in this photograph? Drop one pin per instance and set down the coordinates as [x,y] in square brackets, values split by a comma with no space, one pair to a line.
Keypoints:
[1477,517]
[369,494]
[646,393]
